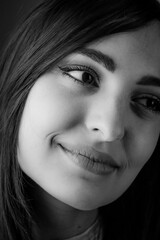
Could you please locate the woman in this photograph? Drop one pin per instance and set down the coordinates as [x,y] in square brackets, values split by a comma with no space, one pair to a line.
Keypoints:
[80,103]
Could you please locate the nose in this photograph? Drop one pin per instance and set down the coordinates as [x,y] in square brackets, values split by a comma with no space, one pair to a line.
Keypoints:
[105,120]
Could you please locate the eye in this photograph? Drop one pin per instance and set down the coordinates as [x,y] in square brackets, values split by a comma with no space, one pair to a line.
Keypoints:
[150,103]
[81,74]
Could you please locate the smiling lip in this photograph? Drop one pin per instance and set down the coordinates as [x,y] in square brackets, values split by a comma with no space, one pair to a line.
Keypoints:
[89,159]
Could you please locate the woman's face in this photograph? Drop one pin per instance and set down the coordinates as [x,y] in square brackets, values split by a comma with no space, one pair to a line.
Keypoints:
[90,125]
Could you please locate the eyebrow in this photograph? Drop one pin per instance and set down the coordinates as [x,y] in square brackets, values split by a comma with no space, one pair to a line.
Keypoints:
[99,57]
[109,63]
[149,81]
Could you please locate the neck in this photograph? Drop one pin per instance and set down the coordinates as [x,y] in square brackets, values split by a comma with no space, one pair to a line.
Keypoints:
[56,220]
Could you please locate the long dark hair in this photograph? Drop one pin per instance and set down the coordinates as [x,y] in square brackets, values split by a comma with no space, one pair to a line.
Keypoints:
[53,30]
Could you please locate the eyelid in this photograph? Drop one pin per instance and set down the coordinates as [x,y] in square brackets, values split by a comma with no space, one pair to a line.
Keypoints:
[146,95]
[78,67]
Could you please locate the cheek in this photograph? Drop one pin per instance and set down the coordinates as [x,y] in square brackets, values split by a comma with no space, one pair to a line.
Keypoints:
[144,144]
[50,108]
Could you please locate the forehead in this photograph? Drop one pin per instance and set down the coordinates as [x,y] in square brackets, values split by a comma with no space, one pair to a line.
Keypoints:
[132,49]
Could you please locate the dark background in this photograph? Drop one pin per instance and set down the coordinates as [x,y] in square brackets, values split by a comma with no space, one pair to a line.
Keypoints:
[11,13]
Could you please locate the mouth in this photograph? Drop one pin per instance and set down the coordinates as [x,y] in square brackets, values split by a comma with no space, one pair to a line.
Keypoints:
[91,160]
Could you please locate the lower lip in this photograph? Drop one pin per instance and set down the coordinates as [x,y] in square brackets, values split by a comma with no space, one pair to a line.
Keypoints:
[98,168]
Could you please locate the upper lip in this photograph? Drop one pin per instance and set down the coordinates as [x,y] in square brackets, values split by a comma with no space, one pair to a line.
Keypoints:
[92,154]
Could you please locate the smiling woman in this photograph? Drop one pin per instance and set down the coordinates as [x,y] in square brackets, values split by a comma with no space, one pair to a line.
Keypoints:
[80,123]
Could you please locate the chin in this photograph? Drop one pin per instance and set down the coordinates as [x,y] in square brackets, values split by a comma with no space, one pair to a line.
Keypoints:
[86,204]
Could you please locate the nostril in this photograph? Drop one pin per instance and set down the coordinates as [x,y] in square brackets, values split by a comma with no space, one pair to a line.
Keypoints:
[95,129]
[110,135]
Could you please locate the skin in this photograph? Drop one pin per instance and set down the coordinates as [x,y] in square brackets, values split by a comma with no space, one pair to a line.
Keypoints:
[114,117]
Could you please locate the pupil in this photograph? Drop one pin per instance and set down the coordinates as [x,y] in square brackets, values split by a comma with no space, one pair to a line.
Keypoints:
[151,104]
[87,77]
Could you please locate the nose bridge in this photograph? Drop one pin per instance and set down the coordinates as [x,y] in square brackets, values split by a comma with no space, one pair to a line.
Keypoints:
[106,116]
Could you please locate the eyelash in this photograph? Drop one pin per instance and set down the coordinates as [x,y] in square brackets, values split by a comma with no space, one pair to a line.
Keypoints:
[136,105]
[86,69]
